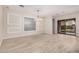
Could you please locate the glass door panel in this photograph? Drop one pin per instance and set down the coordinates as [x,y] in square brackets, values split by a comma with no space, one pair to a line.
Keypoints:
[61,26]
[67,26]
[70,27]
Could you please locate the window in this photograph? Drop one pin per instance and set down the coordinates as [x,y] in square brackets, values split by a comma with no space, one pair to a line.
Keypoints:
[29,24]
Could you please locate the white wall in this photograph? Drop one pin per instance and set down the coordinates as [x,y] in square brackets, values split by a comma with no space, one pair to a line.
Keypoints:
[1,18]
[48,22]
[48,26]
[1,21]
[6,35]
[43,25]
[67,16]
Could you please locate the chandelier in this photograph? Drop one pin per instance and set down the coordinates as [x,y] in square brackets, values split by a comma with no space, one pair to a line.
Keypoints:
[38,16]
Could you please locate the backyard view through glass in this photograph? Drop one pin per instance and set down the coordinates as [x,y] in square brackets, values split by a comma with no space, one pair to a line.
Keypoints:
[67,26]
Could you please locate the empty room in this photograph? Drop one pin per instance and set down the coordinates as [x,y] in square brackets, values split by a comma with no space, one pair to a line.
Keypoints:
[39,28]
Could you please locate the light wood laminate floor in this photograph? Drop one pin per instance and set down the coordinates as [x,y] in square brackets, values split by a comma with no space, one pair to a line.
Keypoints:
[42,43]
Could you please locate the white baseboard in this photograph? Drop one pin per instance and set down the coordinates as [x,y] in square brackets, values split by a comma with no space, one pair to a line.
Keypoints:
[8,36]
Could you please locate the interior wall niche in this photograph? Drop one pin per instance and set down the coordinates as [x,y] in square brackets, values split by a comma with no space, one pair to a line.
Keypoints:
[67,26]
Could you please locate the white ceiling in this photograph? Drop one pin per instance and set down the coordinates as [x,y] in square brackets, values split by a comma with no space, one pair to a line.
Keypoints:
[46,10]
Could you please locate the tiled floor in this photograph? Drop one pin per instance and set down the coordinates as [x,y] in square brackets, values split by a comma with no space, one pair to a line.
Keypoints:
[43,43]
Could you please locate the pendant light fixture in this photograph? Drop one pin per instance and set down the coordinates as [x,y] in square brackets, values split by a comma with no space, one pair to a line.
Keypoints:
[38,13]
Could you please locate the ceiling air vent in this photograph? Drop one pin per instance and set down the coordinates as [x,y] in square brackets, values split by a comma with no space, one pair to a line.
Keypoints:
[21,5]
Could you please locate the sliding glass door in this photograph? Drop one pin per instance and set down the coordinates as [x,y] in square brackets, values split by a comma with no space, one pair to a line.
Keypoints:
[67,26]
[61,27]
[70,27]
